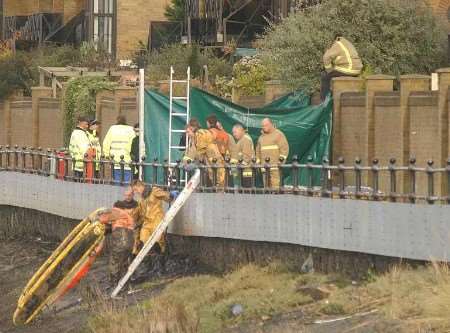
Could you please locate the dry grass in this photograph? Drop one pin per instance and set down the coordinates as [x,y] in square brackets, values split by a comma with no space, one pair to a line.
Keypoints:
[416,300]
[203,303]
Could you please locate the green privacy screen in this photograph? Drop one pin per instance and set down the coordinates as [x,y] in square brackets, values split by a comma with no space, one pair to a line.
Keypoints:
[307,127]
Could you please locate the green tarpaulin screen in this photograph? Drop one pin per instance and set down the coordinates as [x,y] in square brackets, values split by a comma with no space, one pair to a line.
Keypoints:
[307,127]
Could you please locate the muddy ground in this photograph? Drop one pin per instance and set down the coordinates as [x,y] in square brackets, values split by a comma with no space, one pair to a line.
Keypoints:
[20,259]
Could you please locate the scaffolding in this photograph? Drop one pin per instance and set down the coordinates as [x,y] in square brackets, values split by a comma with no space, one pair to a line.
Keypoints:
[212,22]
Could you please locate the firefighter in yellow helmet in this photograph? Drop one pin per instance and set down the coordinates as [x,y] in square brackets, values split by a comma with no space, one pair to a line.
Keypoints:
[341,59]
[149,213]
[271,144]
[202,148]
[117,143]
[79,145]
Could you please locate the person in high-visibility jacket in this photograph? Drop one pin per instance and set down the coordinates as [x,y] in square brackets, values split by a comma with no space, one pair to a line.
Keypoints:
[117,143]
[243,150]
[341,59]
[271,144]
[79,145]
[149,213]
[94,127]
[202,148]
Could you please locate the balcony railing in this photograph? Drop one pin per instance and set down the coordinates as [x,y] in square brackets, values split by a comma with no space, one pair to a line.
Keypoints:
[404,184]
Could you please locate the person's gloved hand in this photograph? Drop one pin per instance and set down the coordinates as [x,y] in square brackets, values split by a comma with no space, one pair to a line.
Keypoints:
[189,167]
[174,195]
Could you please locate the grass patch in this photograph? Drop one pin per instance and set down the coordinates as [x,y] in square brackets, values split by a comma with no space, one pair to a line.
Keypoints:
[417,300]
[203,303]
[419,297]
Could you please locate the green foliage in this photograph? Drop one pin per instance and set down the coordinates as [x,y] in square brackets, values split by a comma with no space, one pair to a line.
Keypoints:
[15,74]
[180,57]
[80,100]
[94,57]
[175,11]
[392,37]
[250,76]
[20,71]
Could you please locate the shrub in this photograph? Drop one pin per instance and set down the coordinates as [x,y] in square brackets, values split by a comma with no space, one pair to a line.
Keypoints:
[392,36]
[80,100]
[180,57]
[250,76]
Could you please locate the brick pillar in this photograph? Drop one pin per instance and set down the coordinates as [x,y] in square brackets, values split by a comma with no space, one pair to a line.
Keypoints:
[7,113]
[408,84]
[98,103]
[374,84]
[339,86]
[36,94]
[119,94]
[442,136]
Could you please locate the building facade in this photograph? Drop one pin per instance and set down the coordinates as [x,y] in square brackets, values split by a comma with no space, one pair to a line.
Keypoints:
[116,25]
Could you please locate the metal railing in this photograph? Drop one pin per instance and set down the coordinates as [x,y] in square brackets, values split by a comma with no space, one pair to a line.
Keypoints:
[411,183]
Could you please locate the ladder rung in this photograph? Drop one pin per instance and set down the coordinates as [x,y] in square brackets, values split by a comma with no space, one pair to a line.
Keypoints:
[177,147]
[179,81]
[179,114]
[178,131]
[180,98]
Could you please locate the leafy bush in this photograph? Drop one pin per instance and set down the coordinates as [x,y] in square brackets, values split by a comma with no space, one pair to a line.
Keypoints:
[250,76]
[79,100]
[392,36]
[20,71]
[180,57]
[175,11]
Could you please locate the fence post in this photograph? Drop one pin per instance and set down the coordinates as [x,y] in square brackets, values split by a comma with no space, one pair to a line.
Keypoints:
[341,170]
[393,180]
[375,179]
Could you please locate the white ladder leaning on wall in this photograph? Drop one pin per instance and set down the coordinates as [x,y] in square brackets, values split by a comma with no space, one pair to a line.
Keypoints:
[184,115]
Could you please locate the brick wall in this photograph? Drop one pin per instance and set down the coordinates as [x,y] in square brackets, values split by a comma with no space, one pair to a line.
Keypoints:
[2,125]
[133,23]
[50,123]
[108,114]
[424,125]
[72,8]
[388,134]
[21,122]
[20,7]
[353,129]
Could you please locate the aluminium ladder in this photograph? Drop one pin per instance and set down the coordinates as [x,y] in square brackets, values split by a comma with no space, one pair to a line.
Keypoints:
[172,114]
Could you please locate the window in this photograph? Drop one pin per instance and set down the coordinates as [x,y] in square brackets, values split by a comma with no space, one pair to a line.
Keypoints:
[103,19]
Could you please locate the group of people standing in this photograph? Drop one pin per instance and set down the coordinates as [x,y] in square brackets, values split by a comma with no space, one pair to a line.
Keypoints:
[213,145]
[210,145]
[121,140]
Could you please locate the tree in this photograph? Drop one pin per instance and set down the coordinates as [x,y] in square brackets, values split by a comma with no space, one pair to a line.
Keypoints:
[392,37]
[175,11]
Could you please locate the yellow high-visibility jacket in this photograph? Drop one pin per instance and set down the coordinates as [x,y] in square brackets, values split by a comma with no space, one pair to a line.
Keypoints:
[273,145]
[78,146]
[117,142]
[343,58]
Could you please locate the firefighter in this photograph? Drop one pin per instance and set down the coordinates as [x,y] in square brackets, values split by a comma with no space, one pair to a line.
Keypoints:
[202,148]
[221,138]
[149,213]
[341,59]
[121,241]
[117,143]
[244,151]
[271,144]
[79,146]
